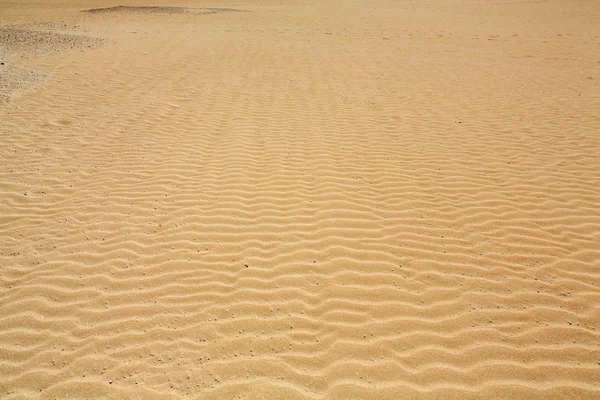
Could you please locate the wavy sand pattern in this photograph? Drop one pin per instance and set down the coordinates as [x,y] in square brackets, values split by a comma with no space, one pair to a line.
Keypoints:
[307,200]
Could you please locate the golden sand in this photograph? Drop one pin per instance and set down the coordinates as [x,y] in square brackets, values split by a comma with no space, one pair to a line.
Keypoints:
[300,199]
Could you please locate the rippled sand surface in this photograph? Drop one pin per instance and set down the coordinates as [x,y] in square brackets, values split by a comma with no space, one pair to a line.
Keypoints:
[300,199]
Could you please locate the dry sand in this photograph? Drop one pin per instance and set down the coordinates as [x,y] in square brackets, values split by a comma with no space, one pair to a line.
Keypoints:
[300,199]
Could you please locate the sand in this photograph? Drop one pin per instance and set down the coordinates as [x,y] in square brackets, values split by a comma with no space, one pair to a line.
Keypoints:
[300,199]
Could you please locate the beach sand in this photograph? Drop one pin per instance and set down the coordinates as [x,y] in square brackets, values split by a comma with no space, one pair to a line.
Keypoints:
[300,199]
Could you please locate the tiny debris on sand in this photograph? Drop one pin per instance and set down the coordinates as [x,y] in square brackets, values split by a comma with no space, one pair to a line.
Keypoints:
[22,39]
[163,10]
[17,41]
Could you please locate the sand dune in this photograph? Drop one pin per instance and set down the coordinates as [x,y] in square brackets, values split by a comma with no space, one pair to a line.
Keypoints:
[334,200]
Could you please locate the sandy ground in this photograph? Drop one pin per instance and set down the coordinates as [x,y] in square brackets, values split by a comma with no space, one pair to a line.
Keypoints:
[300,199]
